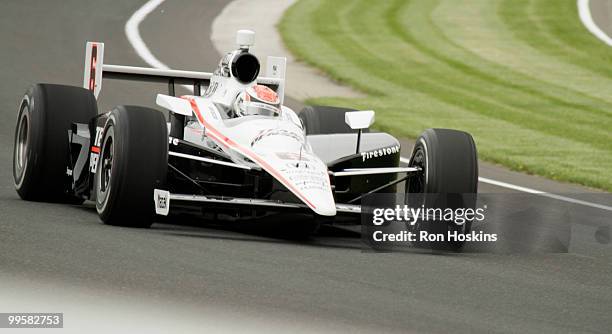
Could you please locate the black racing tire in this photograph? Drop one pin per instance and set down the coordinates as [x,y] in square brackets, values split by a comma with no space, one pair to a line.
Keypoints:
[449,161]
[133,162]
[318,120]
[40,151]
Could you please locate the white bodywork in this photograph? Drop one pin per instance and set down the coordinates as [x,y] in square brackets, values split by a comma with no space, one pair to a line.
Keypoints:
[176,104]
[276,144]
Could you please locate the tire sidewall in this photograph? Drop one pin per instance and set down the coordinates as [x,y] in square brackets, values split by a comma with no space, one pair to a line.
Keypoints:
[20,176]
[105,207]
[30,176]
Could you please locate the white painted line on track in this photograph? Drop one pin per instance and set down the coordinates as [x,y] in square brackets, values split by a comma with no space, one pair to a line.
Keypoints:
[544,194]
[132,32]
[133,36]
[584,11]
[534,191]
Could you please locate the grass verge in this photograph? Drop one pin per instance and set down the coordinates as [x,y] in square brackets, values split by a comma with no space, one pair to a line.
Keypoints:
[523,76]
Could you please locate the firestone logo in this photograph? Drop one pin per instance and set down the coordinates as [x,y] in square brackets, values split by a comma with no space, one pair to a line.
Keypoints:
[380,152]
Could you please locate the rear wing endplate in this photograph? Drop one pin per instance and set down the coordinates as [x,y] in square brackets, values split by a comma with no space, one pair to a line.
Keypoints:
[96,70]
[94,58]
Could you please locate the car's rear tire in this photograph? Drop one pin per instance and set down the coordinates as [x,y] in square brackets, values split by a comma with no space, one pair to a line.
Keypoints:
[133,162]
[320,120]
[40,155]
[449,161]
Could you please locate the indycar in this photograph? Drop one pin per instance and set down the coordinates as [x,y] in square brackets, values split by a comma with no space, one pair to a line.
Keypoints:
[231,146]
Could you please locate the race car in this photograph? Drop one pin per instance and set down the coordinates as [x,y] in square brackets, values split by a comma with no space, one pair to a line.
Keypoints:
[230,146]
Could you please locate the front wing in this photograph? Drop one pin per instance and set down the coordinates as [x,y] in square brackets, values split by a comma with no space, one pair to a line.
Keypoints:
[164,198]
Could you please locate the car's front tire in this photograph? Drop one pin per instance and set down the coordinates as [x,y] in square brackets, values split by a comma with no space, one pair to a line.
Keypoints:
[133,162]
[449,178]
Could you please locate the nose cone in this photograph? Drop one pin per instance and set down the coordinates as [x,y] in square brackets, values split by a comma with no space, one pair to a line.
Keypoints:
[320,199]
[310,183]
[278,147]
[326,209]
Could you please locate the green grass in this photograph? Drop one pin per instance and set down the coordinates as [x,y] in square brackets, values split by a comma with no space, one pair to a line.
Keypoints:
[523,76]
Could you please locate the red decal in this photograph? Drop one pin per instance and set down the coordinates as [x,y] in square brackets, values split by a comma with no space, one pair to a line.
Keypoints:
[92,67]
[95,149]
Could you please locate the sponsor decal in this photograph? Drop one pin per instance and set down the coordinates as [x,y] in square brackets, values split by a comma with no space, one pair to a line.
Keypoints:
[92,67]
[277,132]
[380,152]
[212,88]
[98,138]
[307,177]
[162,202]
[95,150]
[93,161]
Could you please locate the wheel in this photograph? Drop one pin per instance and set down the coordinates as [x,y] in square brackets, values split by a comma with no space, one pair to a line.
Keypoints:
[133,162]
[325,120]
[449,179]
[40,152]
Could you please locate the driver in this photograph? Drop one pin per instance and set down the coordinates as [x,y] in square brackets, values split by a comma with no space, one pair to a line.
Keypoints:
[257,100]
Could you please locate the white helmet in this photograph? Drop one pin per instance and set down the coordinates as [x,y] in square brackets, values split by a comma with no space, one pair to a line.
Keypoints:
[257,100]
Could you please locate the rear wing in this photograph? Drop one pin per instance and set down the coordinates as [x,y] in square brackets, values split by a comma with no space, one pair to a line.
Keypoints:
[96,70]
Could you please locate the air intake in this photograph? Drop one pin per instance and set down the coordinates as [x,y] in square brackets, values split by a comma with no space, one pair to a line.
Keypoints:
[245,67]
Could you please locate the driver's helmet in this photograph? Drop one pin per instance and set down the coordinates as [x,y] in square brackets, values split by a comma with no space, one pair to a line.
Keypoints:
[257,100]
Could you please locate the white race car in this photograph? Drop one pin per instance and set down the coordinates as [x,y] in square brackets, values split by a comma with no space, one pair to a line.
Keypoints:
[230,146]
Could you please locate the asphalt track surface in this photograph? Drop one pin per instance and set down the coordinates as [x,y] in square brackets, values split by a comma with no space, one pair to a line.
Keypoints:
[601,10]
[324,280]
